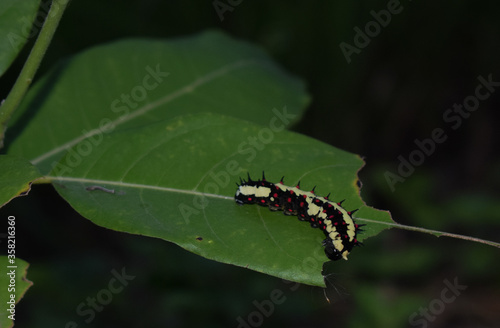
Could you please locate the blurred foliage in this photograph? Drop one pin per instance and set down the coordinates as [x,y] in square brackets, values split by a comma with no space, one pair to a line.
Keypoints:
[391,93]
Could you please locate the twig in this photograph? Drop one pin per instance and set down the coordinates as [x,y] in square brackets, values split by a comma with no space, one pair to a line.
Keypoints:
[27,74]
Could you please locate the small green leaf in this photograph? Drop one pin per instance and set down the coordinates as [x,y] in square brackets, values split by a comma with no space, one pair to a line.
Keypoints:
[16,175]
[136,82]
[16,19]
[14,285]
[176,180]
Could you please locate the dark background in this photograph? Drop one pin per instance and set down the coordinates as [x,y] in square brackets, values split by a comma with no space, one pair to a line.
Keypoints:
[427,58]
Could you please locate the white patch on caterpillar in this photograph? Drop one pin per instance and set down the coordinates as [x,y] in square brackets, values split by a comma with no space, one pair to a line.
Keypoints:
[313,210]
[322,215]
[257,191]
[262,192]
[344,255]
[246,190]
[282,186]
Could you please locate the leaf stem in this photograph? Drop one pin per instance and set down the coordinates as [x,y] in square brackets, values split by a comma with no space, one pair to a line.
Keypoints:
[435,232]
[27,74]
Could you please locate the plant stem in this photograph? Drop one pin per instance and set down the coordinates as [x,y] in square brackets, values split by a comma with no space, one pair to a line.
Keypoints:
[27,74]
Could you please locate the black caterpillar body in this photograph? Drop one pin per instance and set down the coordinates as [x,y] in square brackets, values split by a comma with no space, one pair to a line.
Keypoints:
[336,223]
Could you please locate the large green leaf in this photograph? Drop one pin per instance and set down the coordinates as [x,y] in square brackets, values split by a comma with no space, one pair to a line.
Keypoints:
[175,180]
[14,285]
[16,175]
[16,19]
[135,82]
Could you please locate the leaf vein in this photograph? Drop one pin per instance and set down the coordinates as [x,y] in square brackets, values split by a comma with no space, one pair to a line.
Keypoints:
[189,88]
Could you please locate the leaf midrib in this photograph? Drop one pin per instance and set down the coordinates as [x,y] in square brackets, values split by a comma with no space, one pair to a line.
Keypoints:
[198,193]
[135,185]
[189,88]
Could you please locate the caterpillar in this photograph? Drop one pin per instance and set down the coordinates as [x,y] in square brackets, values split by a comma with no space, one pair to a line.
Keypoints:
[336,223]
